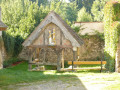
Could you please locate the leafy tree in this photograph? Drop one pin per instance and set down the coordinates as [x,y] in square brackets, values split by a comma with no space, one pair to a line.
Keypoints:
[97,9]
[44,2]
[84,3]
[69,12]
[84,16]
[21,17]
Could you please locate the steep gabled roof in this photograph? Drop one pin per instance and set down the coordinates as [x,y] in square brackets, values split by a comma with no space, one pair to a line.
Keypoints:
[52,17]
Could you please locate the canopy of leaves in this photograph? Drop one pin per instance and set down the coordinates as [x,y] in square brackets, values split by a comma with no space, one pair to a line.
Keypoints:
[97,9]
[84,3]
[83,16]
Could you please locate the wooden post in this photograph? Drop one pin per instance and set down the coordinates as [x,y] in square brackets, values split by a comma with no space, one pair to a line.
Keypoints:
[60,37]
[58,60]
[1,58]
[63,59]
[101,66]
[78,53]
[44,38]
[74,58]
[1,61]
[72,66]
[44,56]
[30,59]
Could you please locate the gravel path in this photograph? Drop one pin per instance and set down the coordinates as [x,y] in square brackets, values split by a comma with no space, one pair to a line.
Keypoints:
[82,83]
[50,85]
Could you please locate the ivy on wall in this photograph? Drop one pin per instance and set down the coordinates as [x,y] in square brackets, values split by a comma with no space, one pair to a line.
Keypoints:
[111,32]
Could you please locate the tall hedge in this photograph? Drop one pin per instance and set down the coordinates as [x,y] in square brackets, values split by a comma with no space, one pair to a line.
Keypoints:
[111,32]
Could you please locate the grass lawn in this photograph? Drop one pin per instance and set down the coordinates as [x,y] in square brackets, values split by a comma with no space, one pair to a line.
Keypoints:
[20,74]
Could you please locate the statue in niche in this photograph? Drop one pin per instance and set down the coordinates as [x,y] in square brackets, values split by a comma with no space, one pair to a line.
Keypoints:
[52,37]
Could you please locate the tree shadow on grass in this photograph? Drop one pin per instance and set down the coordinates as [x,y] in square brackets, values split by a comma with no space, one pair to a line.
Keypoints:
[18,77]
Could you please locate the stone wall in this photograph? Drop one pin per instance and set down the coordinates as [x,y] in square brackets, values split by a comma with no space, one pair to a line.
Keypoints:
[90,28]
[91,50]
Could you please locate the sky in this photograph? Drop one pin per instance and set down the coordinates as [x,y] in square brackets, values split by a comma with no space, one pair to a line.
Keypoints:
[67,0]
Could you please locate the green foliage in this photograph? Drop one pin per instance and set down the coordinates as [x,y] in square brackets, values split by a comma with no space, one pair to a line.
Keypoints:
[44,2]
[83,16]
[100,35]
[21,17]
[83,3]
[76,28]
[9,43]
[9,62]
[68,11]
[111,32]
[20,74]
[50,67]
[97,9]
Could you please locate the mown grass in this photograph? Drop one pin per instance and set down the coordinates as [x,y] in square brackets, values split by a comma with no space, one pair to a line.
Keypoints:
[20,74]
[113,87]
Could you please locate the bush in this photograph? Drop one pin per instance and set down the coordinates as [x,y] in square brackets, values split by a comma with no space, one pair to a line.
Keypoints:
[10,61]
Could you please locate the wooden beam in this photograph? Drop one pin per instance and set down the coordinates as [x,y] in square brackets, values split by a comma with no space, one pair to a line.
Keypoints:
[60,37]
[74,59]
[59,62]
[44,55]
[86,62]
[44,38]
[41,63]
[58,52]
[63,58]
[30,59]
[78,53]
[38,50]
[85,68]
[1,61]
[49,46]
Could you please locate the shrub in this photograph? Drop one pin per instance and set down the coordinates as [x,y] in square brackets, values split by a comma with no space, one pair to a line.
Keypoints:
[10,61]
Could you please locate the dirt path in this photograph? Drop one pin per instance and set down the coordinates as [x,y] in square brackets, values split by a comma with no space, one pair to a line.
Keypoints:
[54,85]
[50,85]
[58,85]
[90,82]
